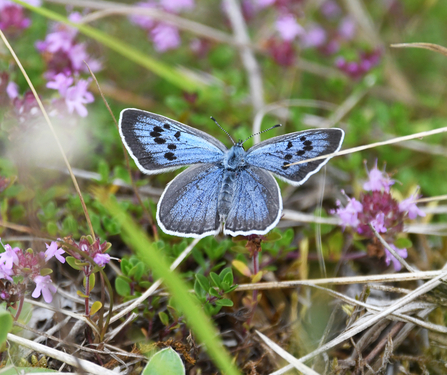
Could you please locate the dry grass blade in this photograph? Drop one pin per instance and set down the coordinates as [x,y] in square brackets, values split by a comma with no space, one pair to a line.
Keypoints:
[287,356]
[430,46]
[61,356]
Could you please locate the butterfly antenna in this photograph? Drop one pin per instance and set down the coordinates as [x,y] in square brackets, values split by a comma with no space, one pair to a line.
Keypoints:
[266,130]
[229,136]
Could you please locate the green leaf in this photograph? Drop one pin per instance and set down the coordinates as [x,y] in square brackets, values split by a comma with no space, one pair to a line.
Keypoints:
[200,292]
[6,322]
[25,370]
[122,287]
[214,293]
[227,275]
[165,362]
[203,281]
[46,271]
[224,302]
[82,295]
[104,171]
[216,279]
[95,308]
[164,318]
[403,243]
[72,261]
[137,271]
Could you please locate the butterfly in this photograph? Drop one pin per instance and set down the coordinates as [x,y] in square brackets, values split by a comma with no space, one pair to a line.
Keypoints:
[233,188]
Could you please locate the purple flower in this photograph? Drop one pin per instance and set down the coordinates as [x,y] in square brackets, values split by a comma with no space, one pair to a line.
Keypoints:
[54,251]
[288,28]
[101,259]
[12,90]
[61,82]
[165,37]
[264,3]
[45,287]
[347,28]
[12,17]
[9,257]
[349,214]
[315,36]
[390,258]
[378,180]
[77,96]
[144,22]
[176,6]
[282,52]
[409,205]
[330,9]
[379,223]
[5,273]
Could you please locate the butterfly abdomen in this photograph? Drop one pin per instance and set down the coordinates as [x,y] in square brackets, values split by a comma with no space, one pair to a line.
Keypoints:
[226,194]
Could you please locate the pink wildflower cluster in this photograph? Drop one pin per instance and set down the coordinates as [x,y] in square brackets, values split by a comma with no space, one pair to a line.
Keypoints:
[165,36]
[12,16]
[377,207]
[28,265]
[65,58]
[94,249]
[362,65]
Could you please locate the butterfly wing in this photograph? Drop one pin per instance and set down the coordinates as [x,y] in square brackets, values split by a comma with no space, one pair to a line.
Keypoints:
[159,144]
[188,206]
[275,153]
[257,204]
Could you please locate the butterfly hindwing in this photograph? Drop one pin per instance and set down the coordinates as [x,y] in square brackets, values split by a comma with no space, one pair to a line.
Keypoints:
[257,204]
[275,153]
[159,144]
[188,206]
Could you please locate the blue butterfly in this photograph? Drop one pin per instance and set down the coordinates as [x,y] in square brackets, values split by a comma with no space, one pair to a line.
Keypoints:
[232,186]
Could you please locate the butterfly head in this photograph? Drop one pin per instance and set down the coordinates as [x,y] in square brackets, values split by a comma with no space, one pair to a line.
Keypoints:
[235,157]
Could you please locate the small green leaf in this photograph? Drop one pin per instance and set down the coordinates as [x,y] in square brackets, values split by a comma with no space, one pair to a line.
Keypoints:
[216,279]
[46,271]
[203,281]
[214,292]
[403,243]
[137,271]
[82,295]
[272,237]
[122,286]
[241,267]
[164,318]
[165,362]
[227,276]
[95,308]
[6,322]
[72,261]
[224,302]
[200,292]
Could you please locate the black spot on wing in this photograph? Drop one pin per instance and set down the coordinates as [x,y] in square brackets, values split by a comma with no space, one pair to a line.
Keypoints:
[289,145]
[307,143]
[167,126]
[155,134]
[177,135]
[303,138]
[170,156]
[172,146]
[288,157]
[158,129]
[301,152]
[160,141]
[284,166]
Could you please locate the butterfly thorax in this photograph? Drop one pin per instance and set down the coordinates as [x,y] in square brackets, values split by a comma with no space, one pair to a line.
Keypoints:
[233,162]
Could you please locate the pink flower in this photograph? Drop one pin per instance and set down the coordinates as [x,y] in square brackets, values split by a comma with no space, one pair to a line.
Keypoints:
[12,17]
[390,258]
[330,9]
[5,273]
[379,223]
[315,36]
[165,37]
[378,180]
[175,6]
[61,83]
[77,96]
[45,287]
[347,28]
[264,3]
[288,28]
[349,214]
[9,257]
[54,251]
[144,22]
[408,205]
[101,259]
[12,90]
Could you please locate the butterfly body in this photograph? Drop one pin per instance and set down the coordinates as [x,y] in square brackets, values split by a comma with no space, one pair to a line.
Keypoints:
[232,187]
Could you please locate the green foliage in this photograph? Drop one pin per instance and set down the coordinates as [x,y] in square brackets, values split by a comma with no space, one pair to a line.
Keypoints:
[165,362]
[6,322]
[210,290]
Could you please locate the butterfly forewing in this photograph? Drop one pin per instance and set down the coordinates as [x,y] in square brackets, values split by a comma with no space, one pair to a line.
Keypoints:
[159,144]
[276,153]
[257,204]
[188,206]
